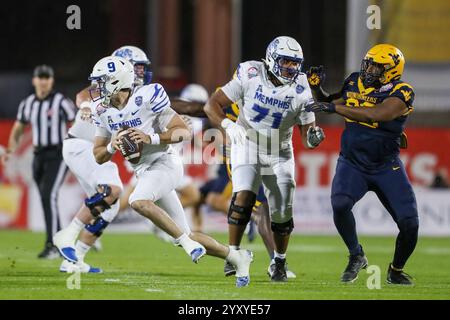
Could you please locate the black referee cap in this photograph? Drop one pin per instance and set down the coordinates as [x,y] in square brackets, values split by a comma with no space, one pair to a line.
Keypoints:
[43,71]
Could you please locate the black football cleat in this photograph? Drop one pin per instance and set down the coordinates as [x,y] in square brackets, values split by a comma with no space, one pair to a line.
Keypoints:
[289,273]
[355,264]
[279,271]
[50,252]
[398,277]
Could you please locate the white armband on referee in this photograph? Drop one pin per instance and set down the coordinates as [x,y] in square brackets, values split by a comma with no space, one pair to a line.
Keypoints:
[155,138]
[110,148]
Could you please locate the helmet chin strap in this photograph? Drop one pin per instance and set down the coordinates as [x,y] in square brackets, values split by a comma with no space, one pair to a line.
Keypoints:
[138,81]
[275,81]
[374,83]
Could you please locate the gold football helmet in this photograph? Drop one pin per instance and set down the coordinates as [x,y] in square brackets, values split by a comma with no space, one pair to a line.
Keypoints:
[382,64]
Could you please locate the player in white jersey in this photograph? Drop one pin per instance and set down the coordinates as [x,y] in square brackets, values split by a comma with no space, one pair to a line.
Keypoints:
[274,94]
[151,121]
[77,152]
[187,191]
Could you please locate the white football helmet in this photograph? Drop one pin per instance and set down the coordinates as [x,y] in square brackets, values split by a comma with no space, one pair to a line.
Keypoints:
[286,48]
[111,74]
[137,57]
[194,92]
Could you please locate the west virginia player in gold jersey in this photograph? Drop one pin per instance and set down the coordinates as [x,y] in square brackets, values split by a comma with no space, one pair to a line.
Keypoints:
[375,104]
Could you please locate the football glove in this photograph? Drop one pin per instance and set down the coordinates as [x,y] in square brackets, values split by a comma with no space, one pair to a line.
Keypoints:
[314,136]
[316,76]
[236,133]
[316,107]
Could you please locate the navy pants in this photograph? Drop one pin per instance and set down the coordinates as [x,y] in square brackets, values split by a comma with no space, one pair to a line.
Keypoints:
[395,192]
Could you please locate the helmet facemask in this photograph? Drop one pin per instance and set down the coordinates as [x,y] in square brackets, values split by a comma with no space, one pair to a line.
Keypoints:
[100,92]
[286,75]
[143,75]
[373,78]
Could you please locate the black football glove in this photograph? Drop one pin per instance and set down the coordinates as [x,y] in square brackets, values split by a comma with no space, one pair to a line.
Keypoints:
[316,76]
[316,107]
[314,136]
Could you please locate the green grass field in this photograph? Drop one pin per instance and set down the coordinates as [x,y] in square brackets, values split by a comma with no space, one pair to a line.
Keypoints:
[140,266]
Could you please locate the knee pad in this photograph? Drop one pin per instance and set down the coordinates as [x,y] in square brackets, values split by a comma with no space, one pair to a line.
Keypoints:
[97,203]
[341,203]
[97,227]
[284,228]
[244,211]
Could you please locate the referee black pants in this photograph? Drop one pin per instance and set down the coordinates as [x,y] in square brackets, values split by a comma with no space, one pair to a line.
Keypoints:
[49,171]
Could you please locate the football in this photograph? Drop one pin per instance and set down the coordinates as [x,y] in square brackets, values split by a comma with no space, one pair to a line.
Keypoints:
[130,150]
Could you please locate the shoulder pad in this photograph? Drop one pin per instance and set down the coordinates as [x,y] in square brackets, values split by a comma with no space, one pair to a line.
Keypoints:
[249,69]
[403,91]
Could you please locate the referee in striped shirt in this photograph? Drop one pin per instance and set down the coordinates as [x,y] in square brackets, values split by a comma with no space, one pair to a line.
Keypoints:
[48,113]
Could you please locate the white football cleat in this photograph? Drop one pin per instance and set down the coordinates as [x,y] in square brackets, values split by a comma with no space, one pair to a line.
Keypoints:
[193,248]
[82,267]
[242,264]
[197,253]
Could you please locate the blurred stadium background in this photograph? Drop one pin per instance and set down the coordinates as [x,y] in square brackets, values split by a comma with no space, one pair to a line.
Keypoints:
[202,41]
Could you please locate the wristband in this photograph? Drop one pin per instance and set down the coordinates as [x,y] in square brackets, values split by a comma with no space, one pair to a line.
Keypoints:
[332,107]
[155,138]
[110,148]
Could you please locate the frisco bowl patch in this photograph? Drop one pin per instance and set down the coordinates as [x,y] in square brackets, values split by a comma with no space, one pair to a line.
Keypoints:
[252,72]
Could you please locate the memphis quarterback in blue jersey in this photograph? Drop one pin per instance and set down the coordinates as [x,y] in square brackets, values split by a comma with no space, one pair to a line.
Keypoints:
[375,104]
